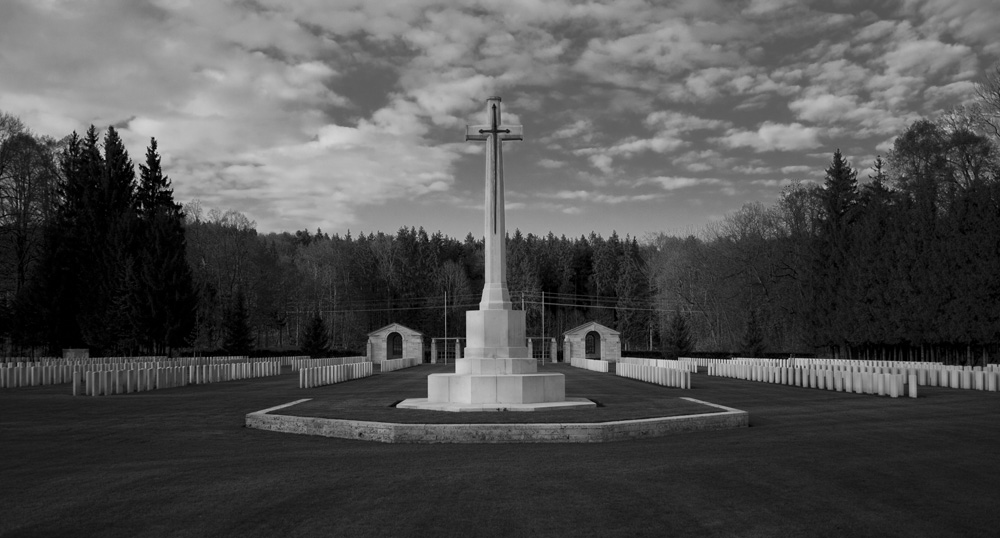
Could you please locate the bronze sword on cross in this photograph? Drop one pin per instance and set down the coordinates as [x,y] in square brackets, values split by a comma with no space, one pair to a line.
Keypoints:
[494,133]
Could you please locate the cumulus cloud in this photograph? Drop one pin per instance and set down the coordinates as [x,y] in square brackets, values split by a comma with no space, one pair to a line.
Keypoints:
[672,183]
[665,47]
[578,129]
[796,169]
[309,112]
[749,169]
[927,57]
[973,20]
[551,163]
[773,182]
[773,137]
[600,198]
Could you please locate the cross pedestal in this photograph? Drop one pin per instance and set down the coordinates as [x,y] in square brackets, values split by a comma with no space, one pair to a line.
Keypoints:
[497,372]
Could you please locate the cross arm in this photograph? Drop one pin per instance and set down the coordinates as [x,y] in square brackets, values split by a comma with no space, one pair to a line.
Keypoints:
[516,132]
[472,132]
[506,132]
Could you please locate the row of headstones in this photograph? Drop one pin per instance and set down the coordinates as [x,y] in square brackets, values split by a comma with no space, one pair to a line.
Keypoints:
[811,361]
[329,375]
[76,360]
[928,374]
[49,372]
[33,376]
[93,361]
[590,364]
[969,373]
[59,371]
[698,361]
[668,377]
[390,365]
[960,379]
[299,363]
[660,363]
[138,378]
[856,381]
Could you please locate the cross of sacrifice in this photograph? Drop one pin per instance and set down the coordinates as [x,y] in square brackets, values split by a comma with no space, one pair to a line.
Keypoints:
[493,134]
[495,295]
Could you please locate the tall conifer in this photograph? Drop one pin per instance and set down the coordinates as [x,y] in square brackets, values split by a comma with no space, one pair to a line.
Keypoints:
[237,335]
[165,303]
[107,262]
[316,340]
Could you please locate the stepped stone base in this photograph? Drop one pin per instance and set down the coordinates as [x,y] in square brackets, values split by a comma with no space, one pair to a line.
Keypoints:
[424,404]
[496,388]
[496,374]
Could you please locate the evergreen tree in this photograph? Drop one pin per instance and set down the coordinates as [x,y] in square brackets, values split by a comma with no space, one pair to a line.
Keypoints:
[316,340]
[237,334]
[840,189]
[831,284]
[631,291]
[50,309]
[107,261]
[166,303]
[752,344]
[678,341]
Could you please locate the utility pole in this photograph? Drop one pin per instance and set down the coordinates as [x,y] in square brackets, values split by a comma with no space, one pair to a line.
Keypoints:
[445,327]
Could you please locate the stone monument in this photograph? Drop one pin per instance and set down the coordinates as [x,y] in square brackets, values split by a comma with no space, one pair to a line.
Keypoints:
[497,373]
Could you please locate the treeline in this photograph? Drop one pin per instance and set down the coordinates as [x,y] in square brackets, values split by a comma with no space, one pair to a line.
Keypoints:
[902,264]
[97,255]
[359,283]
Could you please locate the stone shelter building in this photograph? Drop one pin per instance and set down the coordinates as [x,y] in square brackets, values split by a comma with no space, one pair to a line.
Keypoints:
[395,341]
[592,341]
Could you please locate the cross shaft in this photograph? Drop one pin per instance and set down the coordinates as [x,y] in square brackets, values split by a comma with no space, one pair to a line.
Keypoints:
[495,293]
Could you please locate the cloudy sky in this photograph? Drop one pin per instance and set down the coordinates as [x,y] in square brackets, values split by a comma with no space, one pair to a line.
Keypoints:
[638,116]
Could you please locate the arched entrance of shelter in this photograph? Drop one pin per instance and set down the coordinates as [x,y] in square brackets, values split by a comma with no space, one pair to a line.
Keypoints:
[592,345]
[394,346]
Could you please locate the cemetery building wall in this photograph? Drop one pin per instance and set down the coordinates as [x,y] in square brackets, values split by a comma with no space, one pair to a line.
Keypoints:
[413,343]
[575,340]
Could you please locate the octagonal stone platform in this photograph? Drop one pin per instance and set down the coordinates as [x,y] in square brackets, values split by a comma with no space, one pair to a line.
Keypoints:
[507,384]
[718,417]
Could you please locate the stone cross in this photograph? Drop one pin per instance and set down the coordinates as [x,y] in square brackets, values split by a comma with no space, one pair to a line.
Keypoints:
[495,295]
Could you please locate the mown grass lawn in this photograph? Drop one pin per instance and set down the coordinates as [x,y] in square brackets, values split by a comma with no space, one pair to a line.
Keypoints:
[179,462]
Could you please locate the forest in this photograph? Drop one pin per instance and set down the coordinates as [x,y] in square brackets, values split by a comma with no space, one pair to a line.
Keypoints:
[899,261]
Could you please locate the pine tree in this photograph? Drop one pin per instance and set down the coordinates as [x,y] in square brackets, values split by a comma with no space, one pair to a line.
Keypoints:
[840,191]
[237,334]
[678,341]
[832,283]
[50,310]
[631,291]
[753,337]
[166,302]
[316,341]
[107,260]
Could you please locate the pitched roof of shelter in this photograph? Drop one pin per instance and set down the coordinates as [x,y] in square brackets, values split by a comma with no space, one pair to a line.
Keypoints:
[591,326]
[395,327]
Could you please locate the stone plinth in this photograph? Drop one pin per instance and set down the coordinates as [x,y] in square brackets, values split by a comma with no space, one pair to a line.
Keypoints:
[507,384]
[496,388]
[492,334]
[496,374]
